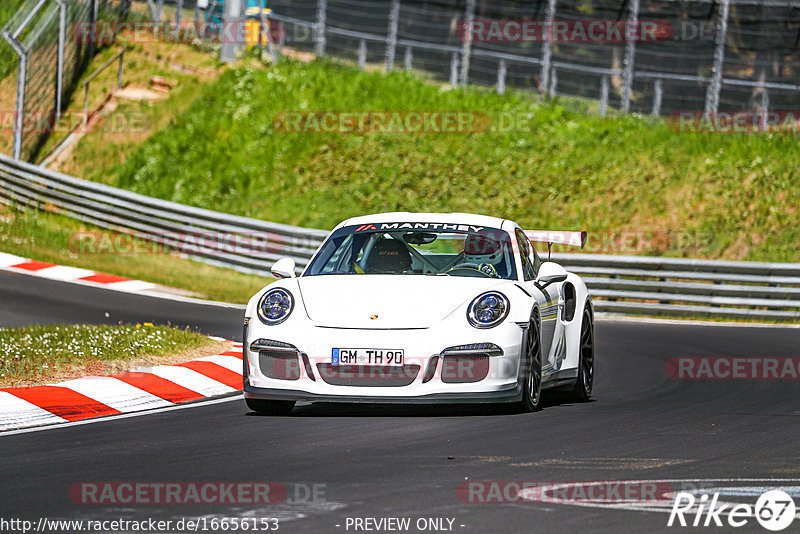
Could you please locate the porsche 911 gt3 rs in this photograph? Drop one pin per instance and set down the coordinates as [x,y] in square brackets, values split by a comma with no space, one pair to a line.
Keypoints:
[421,308]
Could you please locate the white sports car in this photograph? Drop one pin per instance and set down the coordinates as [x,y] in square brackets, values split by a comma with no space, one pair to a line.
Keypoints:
[420,308]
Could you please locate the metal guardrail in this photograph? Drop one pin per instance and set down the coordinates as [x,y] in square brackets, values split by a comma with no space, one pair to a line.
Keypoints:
[633,285]
[245,244]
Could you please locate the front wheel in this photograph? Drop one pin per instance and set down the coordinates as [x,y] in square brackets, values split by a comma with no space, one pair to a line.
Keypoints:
[585,382]
[531,368]
[272,407]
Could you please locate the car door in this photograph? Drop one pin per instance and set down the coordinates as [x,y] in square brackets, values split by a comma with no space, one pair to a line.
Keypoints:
[548,297]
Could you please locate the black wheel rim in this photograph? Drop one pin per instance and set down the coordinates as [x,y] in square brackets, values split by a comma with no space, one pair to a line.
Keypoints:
[534,365]
[587,352]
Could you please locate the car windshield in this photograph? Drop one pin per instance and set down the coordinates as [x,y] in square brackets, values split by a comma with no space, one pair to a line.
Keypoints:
[416,249]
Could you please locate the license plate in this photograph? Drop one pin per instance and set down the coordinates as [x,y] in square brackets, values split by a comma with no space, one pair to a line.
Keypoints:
[385,357]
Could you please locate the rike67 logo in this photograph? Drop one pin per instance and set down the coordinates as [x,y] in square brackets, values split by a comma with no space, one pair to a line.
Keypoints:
[774,510]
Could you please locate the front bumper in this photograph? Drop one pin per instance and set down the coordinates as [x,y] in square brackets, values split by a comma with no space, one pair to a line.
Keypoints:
[428,369]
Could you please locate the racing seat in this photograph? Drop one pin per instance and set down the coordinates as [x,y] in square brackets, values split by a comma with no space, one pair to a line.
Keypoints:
[388,256]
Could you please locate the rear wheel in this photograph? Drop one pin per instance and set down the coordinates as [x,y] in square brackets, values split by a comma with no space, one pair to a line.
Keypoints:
[583,385]
[273,407]
[532,368]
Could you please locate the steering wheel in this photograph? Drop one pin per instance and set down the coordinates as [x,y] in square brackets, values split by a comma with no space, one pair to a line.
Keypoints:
[470,268]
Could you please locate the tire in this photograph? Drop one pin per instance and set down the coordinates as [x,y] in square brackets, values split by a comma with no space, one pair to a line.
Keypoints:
[272,407]
[582,391]
[532,370]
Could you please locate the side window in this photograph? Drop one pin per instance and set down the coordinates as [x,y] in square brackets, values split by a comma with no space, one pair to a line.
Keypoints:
[537,263]
[529,268]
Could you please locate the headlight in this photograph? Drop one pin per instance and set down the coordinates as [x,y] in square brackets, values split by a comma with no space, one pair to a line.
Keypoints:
[488,310]
[275,306]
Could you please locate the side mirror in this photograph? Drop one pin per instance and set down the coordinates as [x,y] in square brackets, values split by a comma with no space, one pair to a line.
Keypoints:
[550,272]
[283,268]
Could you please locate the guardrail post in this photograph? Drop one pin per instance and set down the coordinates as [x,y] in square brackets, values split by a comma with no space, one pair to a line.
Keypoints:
[630,56]
[658,94]
[454,69]
[466,53]
[362,54]
[501,77]
[547,47]
[407,59]
[603,108]
[391,38]
[319,28]
[712,93]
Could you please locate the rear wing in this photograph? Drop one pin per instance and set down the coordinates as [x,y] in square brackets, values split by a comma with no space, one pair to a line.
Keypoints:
[576,239]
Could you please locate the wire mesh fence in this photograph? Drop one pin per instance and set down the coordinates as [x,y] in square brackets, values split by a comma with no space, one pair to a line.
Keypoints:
[647,56]
[51,55]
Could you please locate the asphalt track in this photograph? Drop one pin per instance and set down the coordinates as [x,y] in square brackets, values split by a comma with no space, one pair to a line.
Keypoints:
[407,462]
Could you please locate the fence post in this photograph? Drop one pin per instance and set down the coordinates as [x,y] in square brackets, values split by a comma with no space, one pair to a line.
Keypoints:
[454,69]
[362,54]
[630,56]
[391,38]
[160,15]
[469,15]
[62,32]
[551,92]
[93,16]
[407,59]
[501,77]
[712,93]
[658,94]
[231,17]
[603,109]
[178,13]
[22,70]
[764,111]
[547,47]
[322,8]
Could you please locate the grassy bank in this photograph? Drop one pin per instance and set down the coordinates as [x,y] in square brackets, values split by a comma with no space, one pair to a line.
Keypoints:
[724,196]
[41,354]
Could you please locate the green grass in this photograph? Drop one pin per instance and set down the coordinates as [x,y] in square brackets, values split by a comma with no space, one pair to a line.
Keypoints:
[33,353]
[702,195]
[8,59]
[56,239]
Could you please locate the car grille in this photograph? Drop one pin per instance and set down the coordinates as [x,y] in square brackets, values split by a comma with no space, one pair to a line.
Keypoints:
[464,369]
[367,376]
[280,365]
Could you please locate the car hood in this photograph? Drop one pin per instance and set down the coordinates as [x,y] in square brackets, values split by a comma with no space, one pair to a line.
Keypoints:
[387,301]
